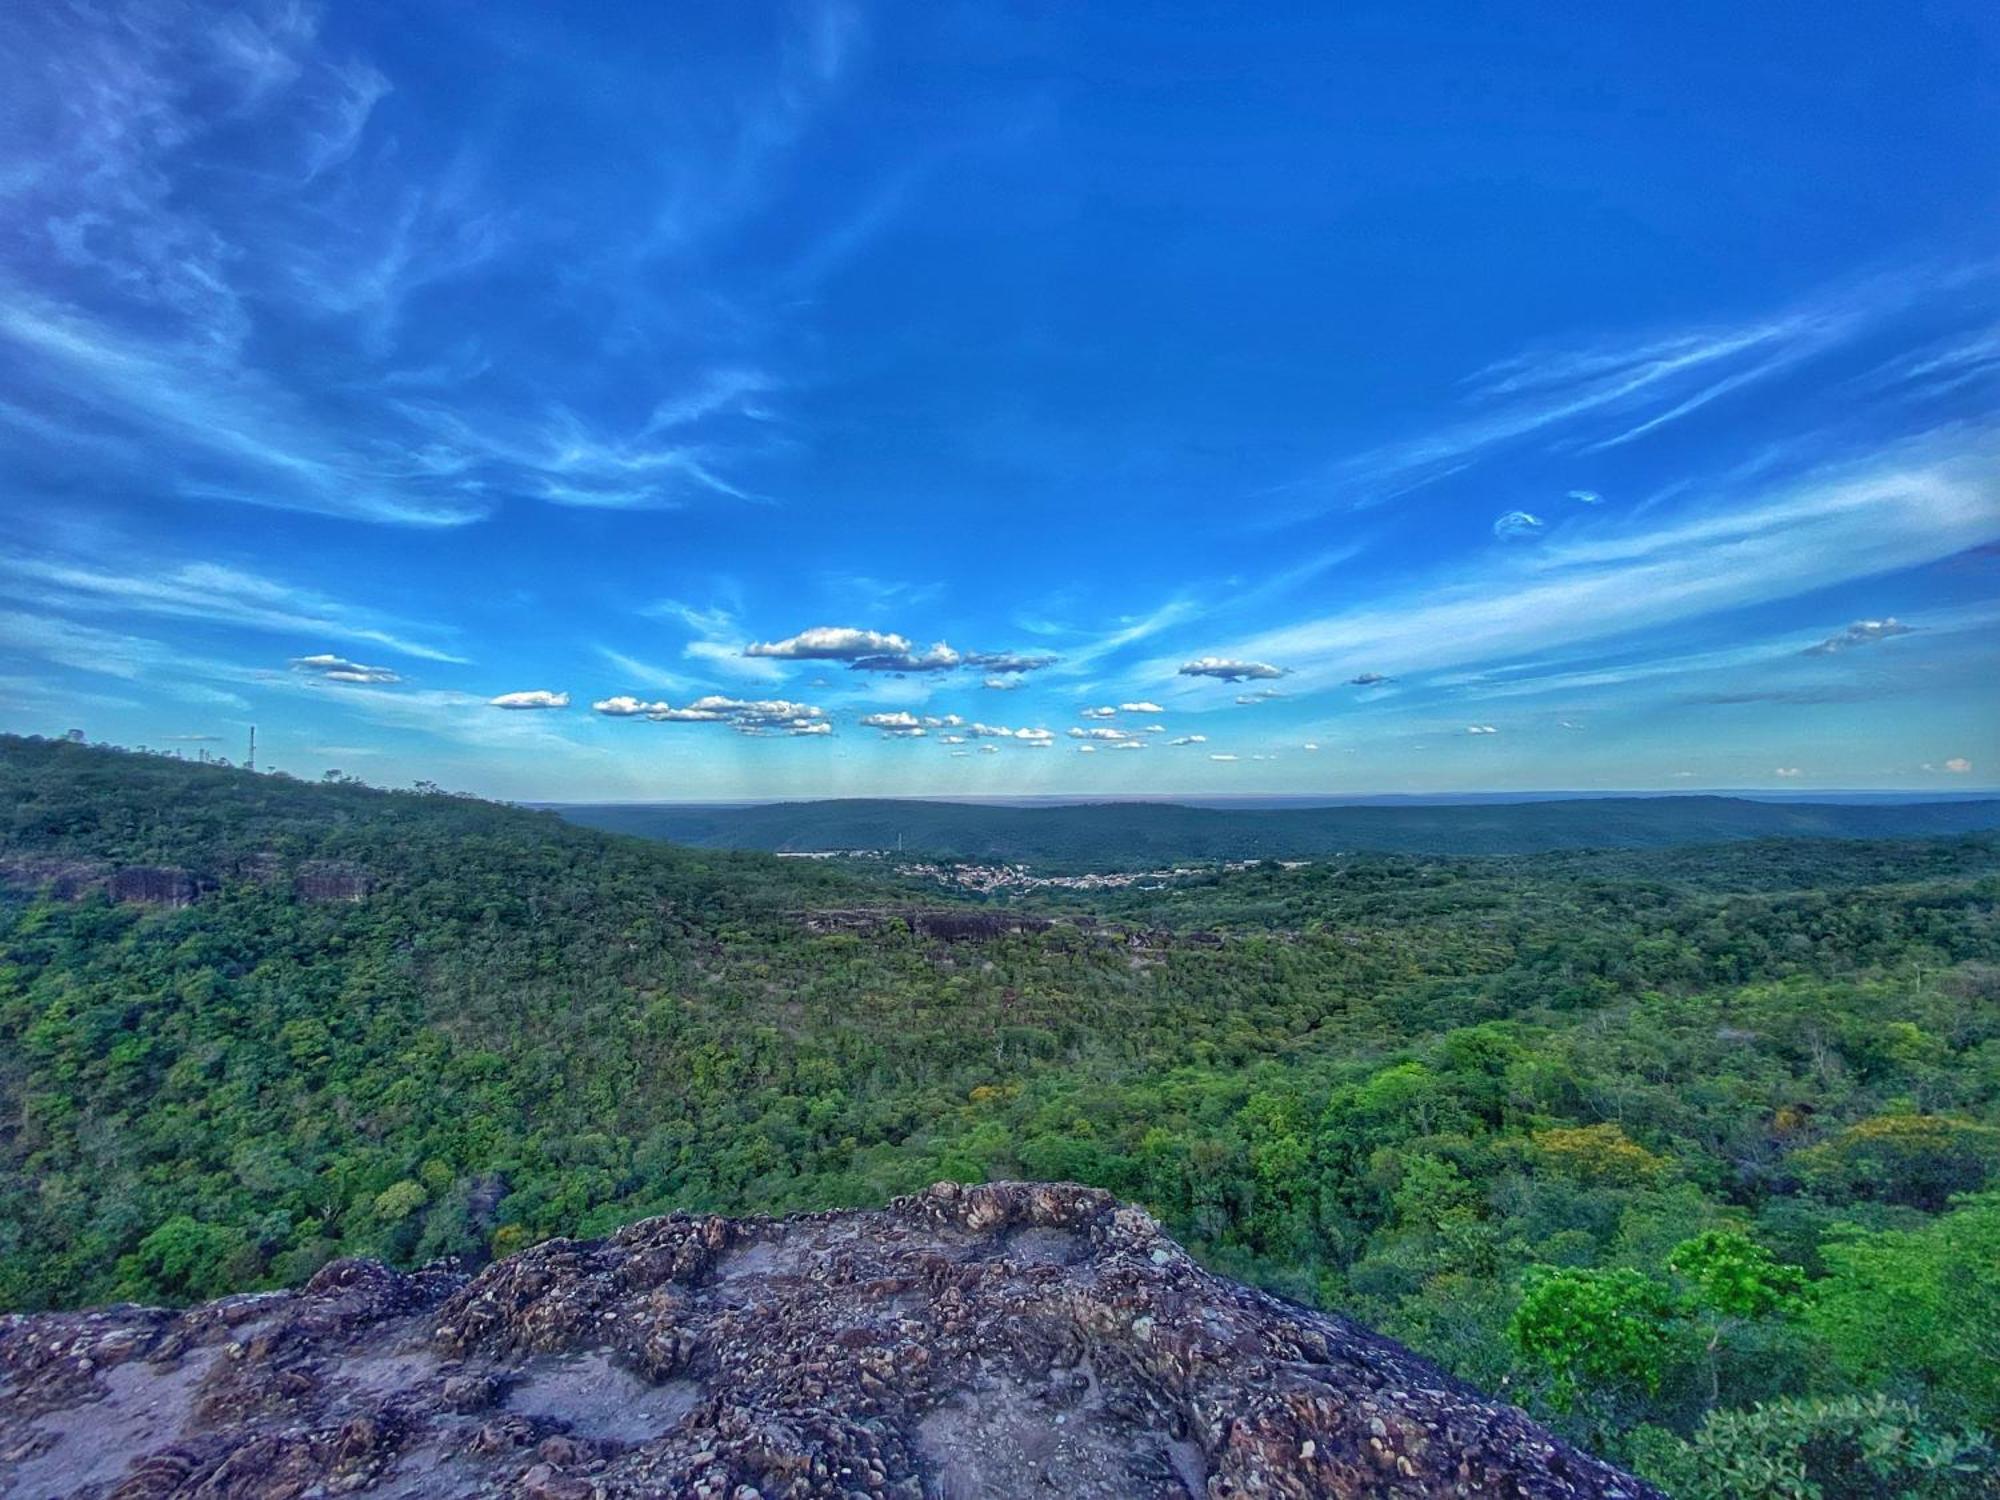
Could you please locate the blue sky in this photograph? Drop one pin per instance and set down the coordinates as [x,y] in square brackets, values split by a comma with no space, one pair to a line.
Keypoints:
[956,398]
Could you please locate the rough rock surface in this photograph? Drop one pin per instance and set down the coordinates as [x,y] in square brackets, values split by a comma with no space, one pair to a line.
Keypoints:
[968,1343]
[950,924]
[331,880]
[72,879]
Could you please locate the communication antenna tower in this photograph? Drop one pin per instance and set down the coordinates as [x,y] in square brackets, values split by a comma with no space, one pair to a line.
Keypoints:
[251,762]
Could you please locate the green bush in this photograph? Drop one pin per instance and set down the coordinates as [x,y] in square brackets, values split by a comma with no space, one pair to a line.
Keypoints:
[1842,1448]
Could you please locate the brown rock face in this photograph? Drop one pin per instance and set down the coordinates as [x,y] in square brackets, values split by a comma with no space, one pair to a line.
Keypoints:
[331,880]
[946,924]
[154,885]
[967,1343]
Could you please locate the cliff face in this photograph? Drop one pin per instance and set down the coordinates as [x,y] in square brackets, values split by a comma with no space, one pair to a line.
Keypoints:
[966,1343]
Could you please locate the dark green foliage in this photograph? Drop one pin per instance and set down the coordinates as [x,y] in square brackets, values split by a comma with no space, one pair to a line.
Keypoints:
[1844,1448]
[1724,1096]
[1918,1310]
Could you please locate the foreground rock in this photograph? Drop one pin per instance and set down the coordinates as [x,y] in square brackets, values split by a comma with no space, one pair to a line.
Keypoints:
[999,1341]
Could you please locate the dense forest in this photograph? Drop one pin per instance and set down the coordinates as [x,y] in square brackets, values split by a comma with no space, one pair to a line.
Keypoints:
[1143,835]
[1693,1152]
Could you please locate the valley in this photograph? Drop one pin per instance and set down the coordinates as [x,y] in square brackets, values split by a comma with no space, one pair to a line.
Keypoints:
[1452,1096]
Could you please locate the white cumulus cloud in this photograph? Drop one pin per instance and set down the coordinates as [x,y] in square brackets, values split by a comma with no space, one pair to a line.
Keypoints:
[896,725]
[937,657]
[831,643]
[751,716]
[1229,669]
[625,706]
[1002,732]
[538,698]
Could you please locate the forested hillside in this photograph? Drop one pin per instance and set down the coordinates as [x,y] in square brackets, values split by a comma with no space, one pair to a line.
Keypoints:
[1142,835]
[1639,1138]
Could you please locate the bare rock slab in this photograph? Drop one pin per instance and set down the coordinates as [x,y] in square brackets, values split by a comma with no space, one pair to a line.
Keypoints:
[967,1343]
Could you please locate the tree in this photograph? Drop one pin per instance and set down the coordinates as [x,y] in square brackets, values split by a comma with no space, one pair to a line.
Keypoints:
[1920,1160]
[1734,1275]
[184,1258]
[1601,1154]
[1733,1280]
[1586,1328]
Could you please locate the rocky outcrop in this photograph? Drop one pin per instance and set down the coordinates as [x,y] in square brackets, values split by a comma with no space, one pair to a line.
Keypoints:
[331,880]
[65,879]
[968,1343]
[60,878]
[154,885]
[948,924]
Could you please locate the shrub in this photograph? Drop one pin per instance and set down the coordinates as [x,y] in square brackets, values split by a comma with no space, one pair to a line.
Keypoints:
[1844,1448]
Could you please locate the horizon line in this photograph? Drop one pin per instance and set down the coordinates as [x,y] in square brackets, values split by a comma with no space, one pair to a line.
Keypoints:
[1969,794]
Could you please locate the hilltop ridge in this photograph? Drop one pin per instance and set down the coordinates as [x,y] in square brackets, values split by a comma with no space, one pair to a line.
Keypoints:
[973,1343]
[1118,835]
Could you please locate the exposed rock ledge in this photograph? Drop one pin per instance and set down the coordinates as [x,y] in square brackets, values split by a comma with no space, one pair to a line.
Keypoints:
[999,1341]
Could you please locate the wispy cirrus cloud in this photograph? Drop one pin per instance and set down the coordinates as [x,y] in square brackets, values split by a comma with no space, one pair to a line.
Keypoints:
[178,673]
[339,669]
[635,670]
[1860,633]
[225,250]
[1594,397]
[1082,648]
[211,593]
[1914,503]
[719,643]
[1517,524]
[192,677]
[232,434]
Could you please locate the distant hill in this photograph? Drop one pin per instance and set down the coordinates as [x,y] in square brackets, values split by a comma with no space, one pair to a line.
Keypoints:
[1124,835]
